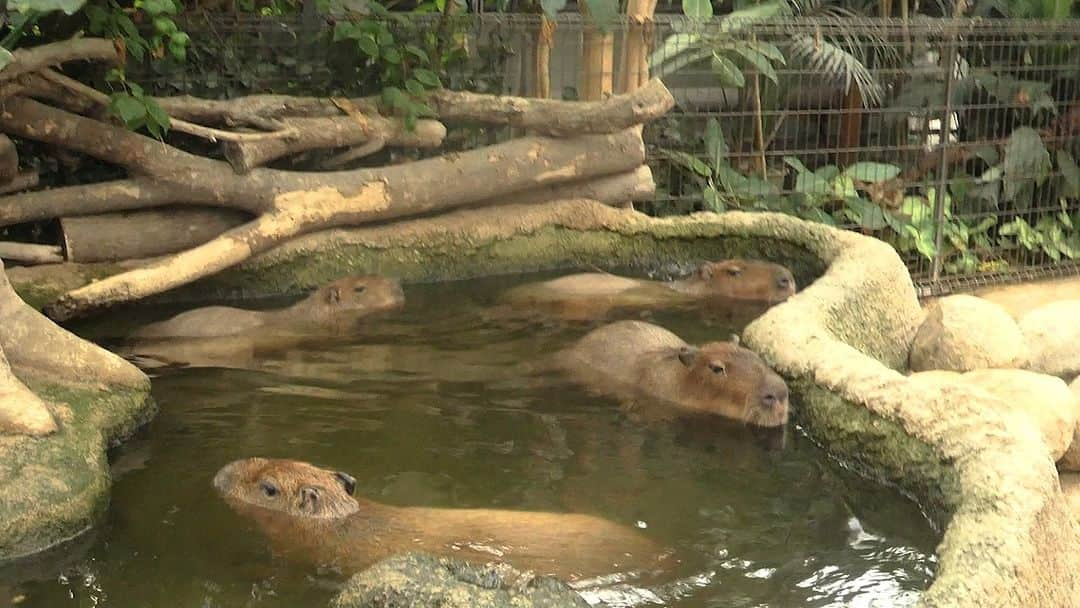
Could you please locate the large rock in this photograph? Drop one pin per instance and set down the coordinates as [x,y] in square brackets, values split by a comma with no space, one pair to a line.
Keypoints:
[963,333]
[1071,460]
[1052,333]
[1070,487]
[418,580]
[1044,400]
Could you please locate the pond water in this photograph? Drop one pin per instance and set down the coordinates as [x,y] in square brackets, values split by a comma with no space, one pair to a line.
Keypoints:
[429,407]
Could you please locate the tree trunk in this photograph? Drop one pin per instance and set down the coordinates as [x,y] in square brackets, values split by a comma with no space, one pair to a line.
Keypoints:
[638,42]
[29,253]
[21,411]
[597,60]
[112,237]
[545,40]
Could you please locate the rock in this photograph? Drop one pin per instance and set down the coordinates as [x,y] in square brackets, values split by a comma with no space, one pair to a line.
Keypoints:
[1070,487]
[963,333]
[1052,333]
[1045,400]
[1071,460]
[418,580]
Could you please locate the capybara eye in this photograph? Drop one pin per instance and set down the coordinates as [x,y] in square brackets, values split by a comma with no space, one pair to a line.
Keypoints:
[717,368]
[360,289]
[269,489]
[734,271]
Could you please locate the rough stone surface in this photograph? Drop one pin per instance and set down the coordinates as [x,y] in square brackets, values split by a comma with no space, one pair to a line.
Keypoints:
[1071,460]
[1020,298]
[424,581]
[1042,400]
[1070,487]
[1010,539]
[962,333]
[1052,333]
[54,487]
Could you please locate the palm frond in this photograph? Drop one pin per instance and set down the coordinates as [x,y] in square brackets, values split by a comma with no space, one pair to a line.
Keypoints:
[838,63]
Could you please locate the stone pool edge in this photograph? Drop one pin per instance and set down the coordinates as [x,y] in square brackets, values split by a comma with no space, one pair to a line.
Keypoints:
[56,488]
[842,344]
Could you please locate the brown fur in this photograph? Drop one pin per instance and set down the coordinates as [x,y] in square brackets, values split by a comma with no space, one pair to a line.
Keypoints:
[330,306]
[632,359]
[313,516]
[591,295]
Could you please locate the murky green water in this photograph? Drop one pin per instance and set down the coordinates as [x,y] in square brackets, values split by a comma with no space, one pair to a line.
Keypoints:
[429,407]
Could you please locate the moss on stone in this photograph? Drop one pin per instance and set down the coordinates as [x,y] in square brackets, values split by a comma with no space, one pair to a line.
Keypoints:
[55,488]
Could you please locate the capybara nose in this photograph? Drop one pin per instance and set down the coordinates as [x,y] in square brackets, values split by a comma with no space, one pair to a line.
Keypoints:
[774,396]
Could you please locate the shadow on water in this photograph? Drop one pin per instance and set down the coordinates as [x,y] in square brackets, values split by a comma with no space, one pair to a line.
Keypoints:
[431,407]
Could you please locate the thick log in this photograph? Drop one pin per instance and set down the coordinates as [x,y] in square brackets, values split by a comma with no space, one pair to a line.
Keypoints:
[35,345]
[9,160]
[306,202]
[22,181]
[37,58]
[112,237]
[637,42]
[618,190]
[542,116]
[21,411]
[317,133]
[596,80]
[91,198]
[30,253]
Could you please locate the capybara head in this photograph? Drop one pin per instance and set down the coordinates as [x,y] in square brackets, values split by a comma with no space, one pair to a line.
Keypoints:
[359,294]
[747,280]
[734,381]
[288,487]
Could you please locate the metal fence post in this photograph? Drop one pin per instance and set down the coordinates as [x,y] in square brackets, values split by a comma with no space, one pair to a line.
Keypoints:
[943,162]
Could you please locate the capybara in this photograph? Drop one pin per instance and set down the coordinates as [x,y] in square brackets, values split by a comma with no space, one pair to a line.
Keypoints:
[592,295]
[311,514]
[341,302]
[633,359]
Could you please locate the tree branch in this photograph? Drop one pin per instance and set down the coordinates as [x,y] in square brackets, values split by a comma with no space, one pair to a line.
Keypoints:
[47,55]
[83,200]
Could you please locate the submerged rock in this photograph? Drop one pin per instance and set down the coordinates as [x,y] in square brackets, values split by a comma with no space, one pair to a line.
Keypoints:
[1052,333]
[418,580]
[962,333]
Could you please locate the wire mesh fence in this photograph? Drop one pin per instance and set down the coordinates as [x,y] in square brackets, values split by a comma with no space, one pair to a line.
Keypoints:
[955,140]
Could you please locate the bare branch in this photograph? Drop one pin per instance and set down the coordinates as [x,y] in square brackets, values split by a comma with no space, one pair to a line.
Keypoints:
[85,199]
[30,253]
[348,156]
[39,57]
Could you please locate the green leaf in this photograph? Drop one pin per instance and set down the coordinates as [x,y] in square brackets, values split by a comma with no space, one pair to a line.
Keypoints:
[760,62]
[697,9]
[368,45]
[384,37]
[417,52]
[689,161]
[69,7]
[164,25]
[796,164]
[844,187]
[395,98]
[771,51]
[156,115]
[741,18]
[130,110]
[728,73]
[924,241]
[159,7]
[552,7]
[713,200]
[346,30]
[827,172]
[918,211]
[1026,160]
[391,55]
[812,185]
[1070,173]
[427,77]
[715,144]
[414,87]
[869,215]
[603,13]
[871,172]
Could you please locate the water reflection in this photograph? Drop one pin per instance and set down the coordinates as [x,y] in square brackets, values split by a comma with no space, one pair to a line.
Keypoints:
[439,406]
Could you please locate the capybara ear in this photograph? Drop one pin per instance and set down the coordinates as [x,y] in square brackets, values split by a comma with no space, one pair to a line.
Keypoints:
[333,294]
[687,355]
[706,271]
[348,481]
[734,339]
